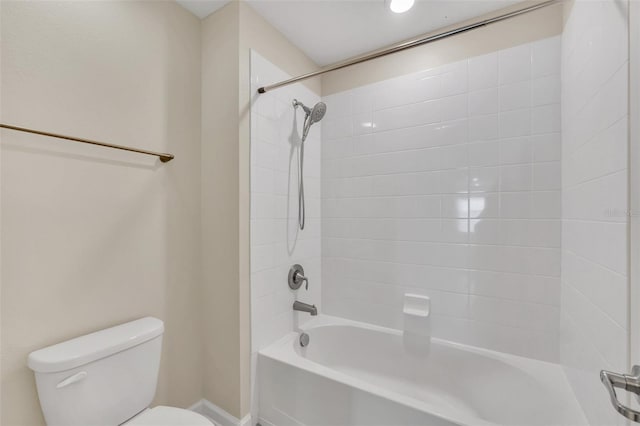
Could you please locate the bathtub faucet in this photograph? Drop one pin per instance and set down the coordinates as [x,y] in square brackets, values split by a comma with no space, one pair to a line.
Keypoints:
[304,307]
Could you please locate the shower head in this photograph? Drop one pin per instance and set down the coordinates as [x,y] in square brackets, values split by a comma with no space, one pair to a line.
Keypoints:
[318,112]
[313,115]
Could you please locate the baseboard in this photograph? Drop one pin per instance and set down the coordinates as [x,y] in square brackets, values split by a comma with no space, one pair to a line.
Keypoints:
[219,416]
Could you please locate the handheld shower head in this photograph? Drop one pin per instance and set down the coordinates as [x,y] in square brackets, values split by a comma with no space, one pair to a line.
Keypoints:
[318,112]
[312,115]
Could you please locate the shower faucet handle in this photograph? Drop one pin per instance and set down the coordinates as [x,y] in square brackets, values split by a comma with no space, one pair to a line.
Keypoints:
[296,277]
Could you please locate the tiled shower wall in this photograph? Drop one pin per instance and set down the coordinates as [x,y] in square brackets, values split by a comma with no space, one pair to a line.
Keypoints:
[594,324]
[447,183]
[276,242]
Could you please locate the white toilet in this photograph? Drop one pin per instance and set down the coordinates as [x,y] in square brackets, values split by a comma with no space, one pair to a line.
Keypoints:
[106,378]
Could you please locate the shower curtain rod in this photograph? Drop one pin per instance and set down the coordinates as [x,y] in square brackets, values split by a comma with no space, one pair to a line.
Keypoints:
[163,156]
[406,45]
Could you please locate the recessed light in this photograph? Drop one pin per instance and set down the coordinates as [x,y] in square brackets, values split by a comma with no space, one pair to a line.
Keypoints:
[400,6]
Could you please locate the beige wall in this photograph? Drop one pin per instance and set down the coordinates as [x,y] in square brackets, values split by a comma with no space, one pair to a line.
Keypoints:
[545,22]
[1,356]
[99,237]
[220,201]
[227,37]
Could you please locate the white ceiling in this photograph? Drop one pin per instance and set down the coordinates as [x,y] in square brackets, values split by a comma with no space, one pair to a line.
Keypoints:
[202,8]
[332,30]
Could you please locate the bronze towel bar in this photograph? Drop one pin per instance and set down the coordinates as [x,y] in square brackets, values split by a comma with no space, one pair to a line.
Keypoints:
[163,157]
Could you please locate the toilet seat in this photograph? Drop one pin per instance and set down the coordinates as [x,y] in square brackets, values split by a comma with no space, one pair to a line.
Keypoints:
[168,416]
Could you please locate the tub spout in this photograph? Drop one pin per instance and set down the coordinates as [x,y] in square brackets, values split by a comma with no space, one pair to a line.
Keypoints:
[303,307]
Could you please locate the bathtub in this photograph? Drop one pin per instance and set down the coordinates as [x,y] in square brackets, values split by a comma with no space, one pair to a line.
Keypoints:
[353,373]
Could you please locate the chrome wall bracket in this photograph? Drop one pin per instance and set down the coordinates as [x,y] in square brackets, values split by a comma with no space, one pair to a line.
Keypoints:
[628,382]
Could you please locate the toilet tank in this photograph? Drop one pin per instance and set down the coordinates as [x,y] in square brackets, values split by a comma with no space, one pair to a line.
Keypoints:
[103,378]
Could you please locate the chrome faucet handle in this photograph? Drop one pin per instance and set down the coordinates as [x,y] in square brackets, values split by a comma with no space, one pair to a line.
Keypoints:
[304,279]
[296,278]
[628,382]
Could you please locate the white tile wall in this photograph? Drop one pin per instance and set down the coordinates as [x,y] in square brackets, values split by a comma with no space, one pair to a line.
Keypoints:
[447,182]
[276,242]
[594,329]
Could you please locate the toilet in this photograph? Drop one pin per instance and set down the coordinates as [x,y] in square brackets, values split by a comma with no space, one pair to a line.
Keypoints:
[106,378]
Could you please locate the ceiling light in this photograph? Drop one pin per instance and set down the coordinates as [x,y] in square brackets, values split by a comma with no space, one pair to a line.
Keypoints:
[400,6]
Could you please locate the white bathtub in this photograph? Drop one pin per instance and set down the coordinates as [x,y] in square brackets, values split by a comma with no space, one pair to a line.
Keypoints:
[358,374]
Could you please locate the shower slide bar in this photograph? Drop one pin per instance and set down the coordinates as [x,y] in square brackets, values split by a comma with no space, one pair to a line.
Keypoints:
[407,45]
[163,156]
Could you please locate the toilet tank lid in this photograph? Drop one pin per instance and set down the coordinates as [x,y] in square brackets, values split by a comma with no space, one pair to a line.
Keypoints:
[90,347]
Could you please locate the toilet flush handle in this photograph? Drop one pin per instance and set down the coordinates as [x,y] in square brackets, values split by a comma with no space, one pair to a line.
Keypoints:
[72,379]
